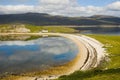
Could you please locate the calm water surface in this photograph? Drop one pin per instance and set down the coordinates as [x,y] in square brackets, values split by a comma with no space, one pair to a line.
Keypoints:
[113,30]
[37,54]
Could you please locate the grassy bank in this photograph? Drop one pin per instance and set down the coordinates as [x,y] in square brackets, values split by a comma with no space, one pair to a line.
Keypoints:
[61,29]
[112,44]
[33,28]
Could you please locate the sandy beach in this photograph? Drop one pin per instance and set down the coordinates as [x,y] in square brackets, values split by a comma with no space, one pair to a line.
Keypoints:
[91,52]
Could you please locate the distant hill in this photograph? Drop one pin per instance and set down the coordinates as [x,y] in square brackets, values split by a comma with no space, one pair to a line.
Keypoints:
[46,19]
[105,18]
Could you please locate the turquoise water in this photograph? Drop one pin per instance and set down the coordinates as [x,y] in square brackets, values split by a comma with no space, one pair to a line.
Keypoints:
[33,55]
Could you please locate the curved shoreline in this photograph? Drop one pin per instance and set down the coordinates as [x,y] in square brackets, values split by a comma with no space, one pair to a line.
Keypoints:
[90,53]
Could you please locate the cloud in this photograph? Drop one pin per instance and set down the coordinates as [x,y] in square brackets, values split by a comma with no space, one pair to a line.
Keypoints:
[14,1]
[54,2]
[11,9]
[66,8]
[115,6]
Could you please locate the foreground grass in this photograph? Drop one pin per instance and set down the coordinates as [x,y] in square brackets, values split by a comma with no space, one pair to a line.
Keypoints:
[110,74]
[112,44]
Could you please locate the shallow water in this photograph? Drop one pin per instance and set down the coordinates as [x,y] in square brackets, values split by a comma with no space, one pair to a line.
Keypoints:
[37,54]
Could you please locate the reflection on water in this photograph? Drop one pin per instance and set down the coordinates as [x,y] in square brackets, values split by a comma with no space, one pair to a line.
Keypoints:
[113,30]
[41,53]
[13,37]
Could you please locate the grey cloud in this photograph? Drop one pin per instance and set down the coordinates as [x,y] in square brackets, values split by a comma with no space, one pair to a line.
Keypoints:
[63,7]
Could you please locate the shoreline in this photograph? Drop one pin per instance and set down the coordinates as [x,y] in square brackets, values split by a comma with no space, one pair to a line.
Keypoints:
[89,55]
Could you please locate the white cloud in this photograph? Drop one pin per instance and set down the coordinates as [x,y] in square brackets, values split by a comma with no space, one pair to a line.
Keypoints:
[15,1]
[54,2]
[63,7]
[114,6]
[16,9]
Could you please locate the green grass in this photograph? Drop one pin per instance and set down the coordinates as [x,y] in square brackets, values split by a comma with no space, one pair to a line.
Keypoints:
[32,38]
[33,28]
[110,74]
[61,29]
[112,44]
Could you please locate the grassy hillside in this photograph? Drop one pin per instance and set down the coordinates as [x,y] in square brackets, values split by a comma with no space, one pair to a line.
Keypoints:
[112,44]
[47,19]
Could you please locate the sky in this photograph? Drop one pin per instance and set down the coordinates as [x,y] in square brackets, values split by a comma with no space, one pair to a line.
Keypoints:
[62,7]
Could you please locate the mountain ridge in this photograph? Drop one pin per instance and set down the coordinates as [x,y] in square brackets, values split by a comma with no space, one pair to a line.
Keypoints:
[47,19]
